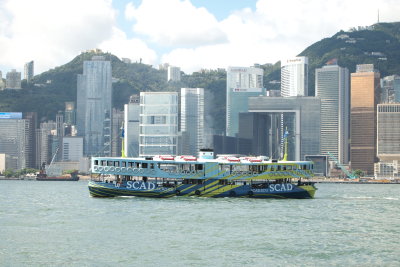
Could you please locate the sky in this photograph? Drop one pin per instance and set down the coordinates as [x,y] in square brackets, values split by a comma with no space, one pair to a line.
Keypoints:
[190,34]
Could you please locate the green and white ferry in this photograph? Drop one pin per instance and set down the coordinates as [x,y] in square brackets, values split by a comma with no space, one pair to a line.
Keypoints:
[203,176]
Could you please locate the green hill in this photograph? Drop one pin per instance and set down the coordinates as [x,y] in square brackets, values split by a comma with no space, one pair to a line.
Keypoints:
[378,44]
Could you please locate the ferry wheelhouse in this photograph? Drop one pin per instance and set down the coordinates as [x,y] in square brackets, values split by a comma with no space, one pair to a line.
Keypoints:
[227,176]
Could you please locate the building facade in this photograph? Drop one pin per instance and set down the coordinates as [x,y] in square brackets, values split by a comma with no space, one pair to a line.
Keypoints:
[302,122]
[364,100]
[388,132]
[192,120]
[158,126]
[131,126]
[13,80]
[294,77]
[174,74]
[70,113]
[72,149]
[14,139]
[332,86]
[241,83]
[29,71]
[94,106]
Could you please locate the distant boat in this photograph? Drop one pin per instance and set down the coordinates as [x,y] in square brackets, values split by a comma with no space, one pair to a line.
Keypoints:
[42,176]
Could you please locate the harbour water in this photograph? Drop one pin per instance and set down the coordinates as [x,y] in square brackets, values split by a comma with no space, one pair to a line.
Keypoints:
[59,224]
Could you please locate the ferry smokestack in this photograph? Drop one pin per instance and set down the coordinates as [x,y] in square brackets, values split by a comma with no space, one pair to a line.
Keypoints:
[206,153]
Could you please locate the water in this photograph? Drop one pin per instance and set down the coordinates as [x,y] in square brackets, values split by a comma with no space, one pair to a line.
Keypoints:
[59,224]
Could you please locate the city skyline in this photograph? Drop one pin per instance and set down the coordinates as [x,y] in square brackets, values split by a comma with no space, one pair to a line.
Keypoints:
[153,31]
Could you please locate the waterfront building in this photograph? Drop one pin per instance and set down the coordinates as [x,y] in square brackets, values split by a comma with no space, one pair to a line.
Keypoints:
[396,89]
[131,126]
[94,100]
[13,80]
[116,128]
[29,71]
[70,113]
[14,139]
[388,132]
[241,83]
[266,128]
[72,148]
[364,100]
[294,76]
[174,74]
[332,86]
[158,124]
[192,120]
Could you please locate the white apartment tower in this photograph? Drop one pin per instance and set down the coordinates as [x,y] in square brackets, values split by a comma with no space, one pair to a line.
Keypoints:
[192,120]
[174,74]
[332,86]
[29,71]
[241,83]
[294,77]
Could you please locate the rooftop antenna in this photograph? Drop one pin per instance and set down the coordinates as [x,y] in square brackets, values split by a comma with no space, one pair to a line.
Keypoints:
[378,16]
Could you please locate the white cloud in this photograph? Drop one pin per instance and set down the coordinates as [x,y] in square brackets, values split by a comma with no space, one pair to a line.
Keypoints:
[277,29]
[175,23]
[51,32]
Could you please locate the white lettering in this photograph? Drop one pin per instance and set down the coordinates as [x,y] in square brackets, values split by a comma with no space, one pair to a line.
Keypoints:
[151,186]
[135,185]
[143,186]
[129,184]
[289,187]
[271,187]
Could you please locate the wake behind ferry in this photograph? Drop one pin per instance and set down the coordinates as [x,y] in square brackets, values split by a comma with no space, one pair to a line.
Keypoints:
[226,176]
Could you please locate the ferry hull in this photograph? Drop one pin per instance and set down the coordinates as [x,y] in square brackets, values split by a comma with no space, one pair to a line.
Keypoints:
[210,189]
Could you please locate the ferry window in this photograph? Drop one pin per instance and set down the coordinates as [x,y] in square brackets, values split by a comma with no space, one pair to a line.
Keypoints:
[312,166]
[137,165]
[304,167]
[116,163]
[130,164]
[289,167]
[123,163]
[103,163]
[278,168]
[96,162]
[144,165]
[199,167]
[151,165]
[110,163]
[284,167]
[272,168]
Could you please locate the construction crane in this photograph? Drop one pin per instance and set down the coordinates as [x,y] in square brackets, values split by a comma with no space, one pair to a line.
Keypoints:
[349,174]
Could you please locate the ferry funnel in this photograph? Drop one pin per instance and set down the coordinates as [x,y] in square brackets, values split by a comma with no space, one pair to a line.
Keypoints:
[206,153]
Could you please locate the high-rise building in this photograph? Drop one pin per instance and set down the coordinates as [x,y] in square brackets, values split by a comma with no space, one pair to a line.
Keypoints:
[241,83]
[192,120]
[332,87]
[388,137]
[364,100]
[31,119]
[116,128]
[70,113]
[44,142]
[131,126]
[72,148]
[13,80]
[14,139]
[174,74]
[94,98]
[396,89]
[158,123]
[29,71]
[266,128]
[294,77]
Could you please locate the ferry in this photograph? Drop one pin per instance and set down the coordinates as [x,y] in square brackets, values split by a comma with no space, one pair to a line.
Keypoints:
[203,176]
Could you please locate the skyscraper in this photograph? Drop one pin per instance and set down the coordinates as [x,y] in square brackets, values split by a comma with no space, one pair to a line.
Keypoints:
[241,83]
[29,71]
[192,120]
[158,123]
[70,113]
[174,74]
[332,86]
[294,77]
[13,80]
[131,126]
[94,99]
[364,101]
[15,139]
